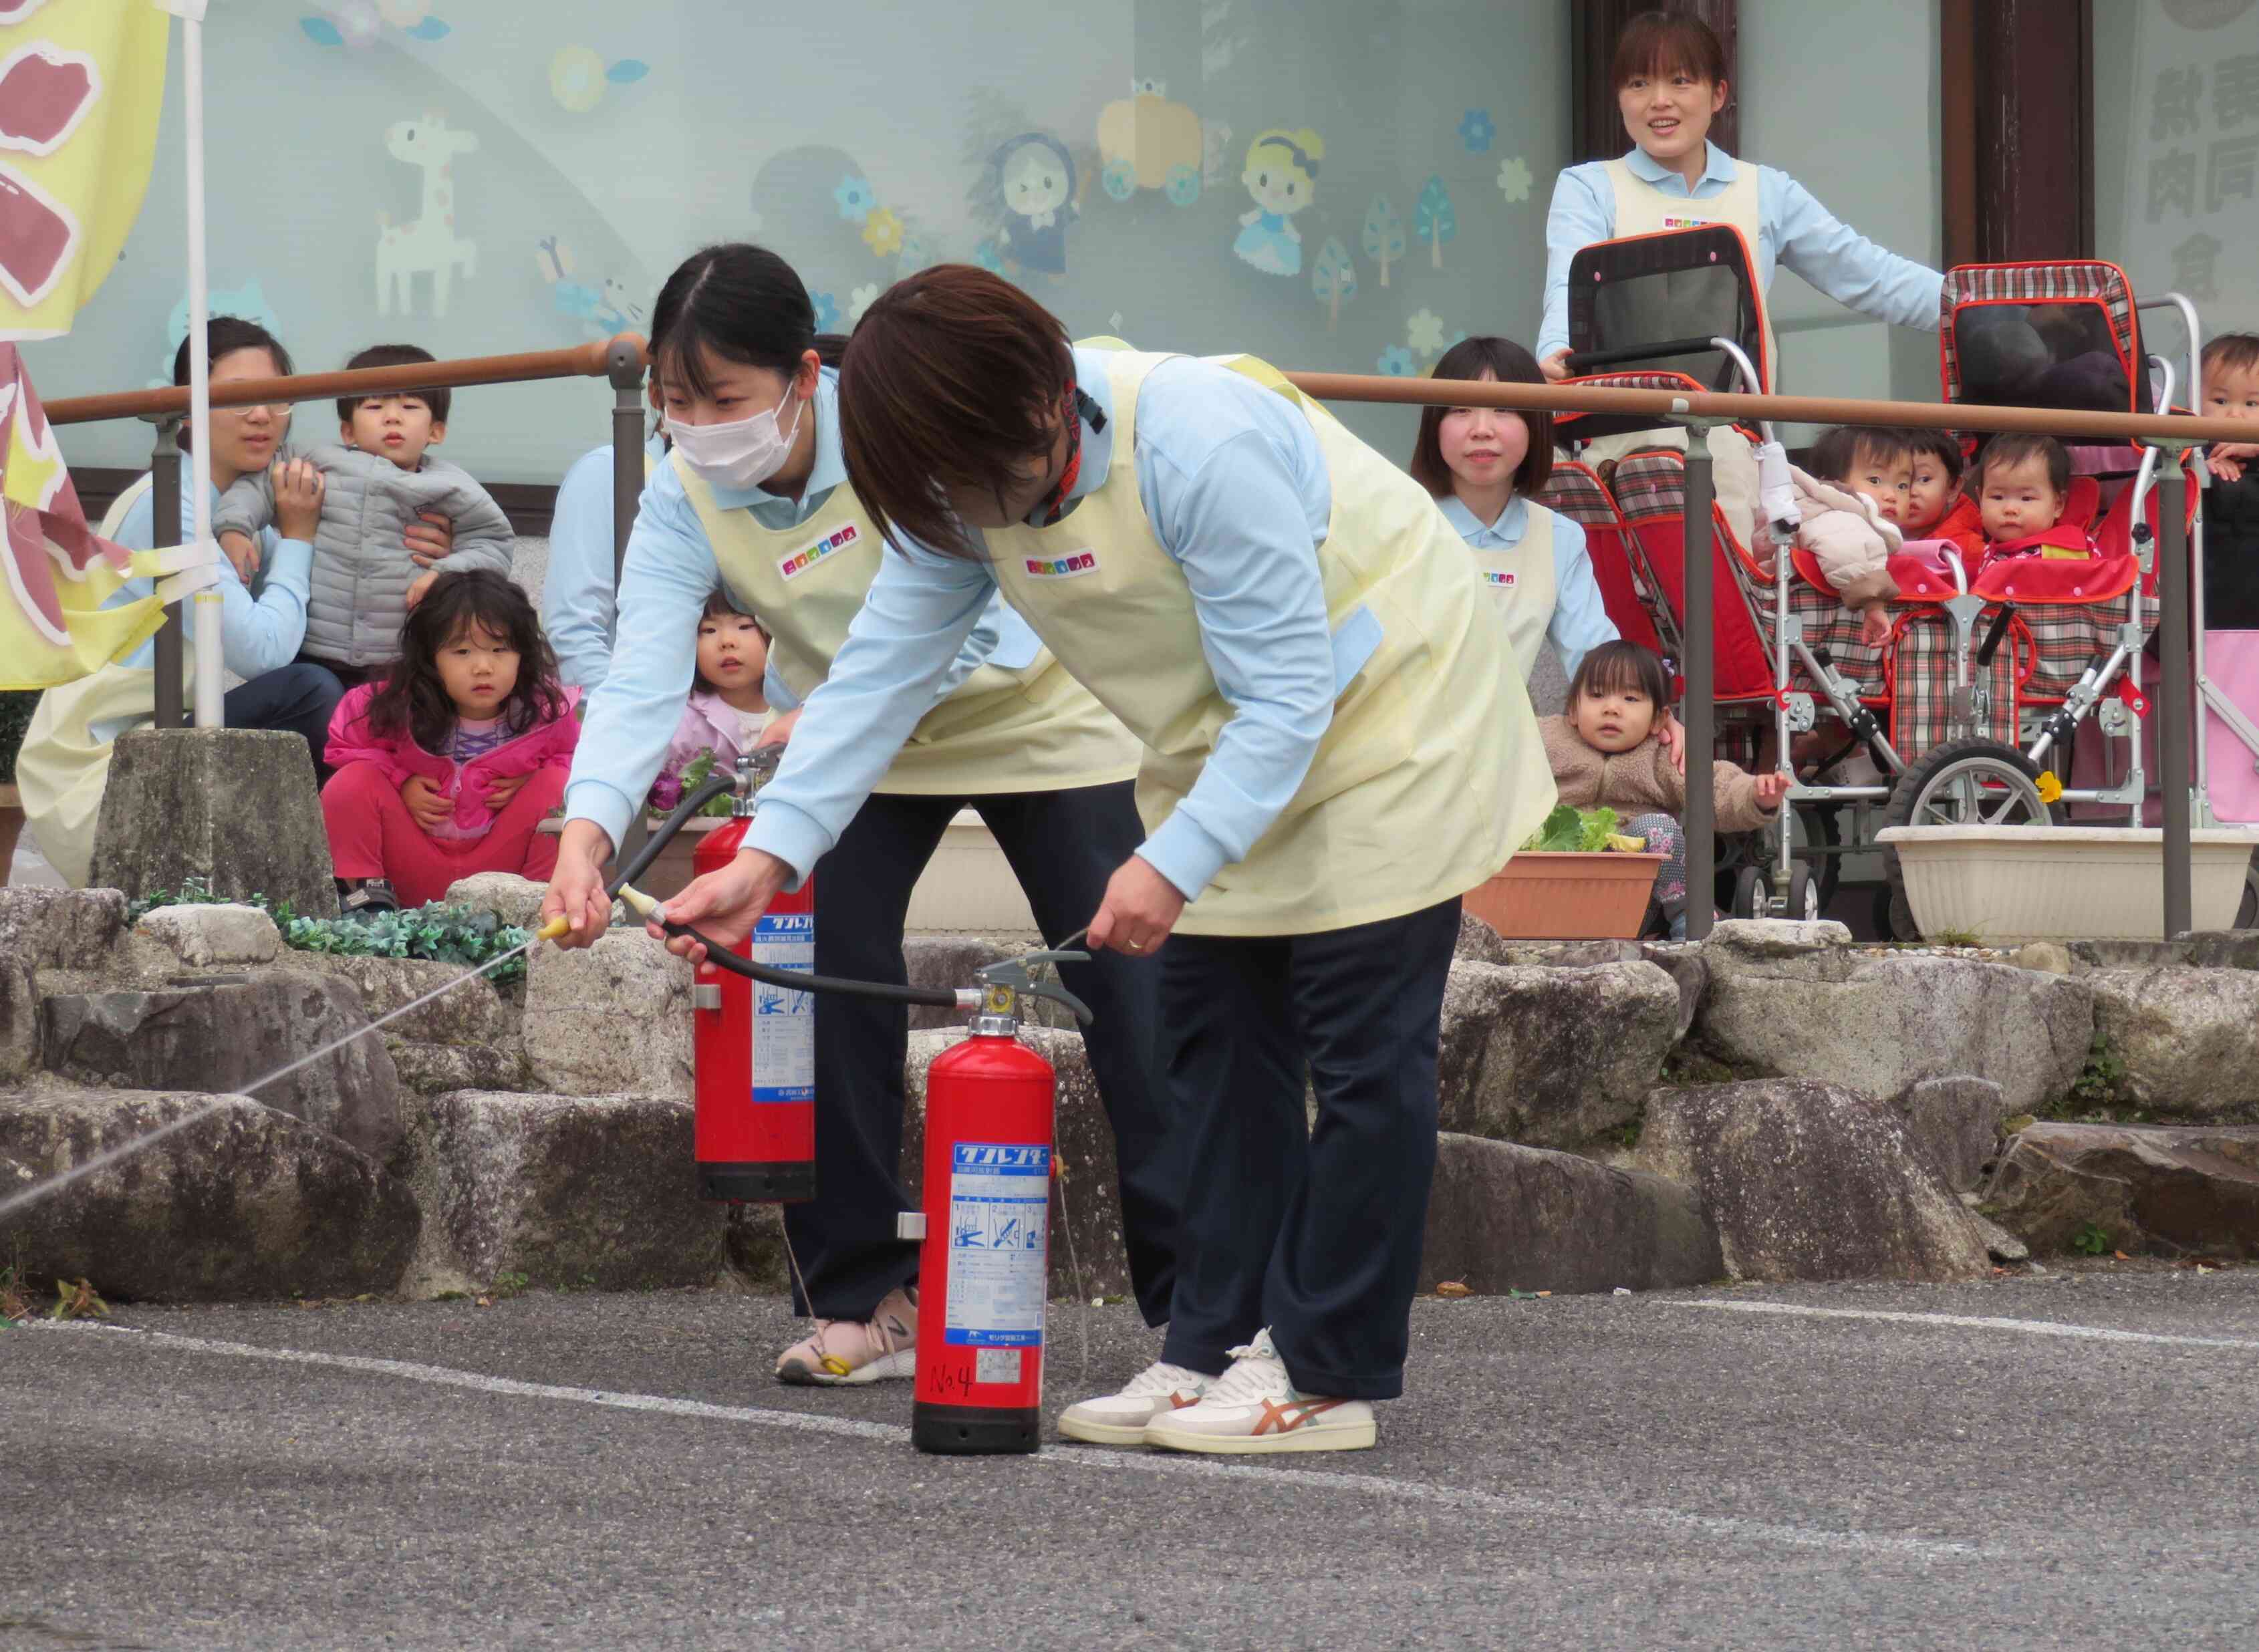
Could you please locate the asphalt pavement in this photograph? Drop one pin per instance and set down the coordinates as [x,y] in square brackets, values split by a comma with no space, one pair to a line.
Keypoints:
[2042,1461]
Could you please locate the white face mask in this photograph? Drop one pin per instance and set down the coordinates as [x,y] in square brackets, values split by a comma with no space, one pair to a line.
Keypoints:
[740,454]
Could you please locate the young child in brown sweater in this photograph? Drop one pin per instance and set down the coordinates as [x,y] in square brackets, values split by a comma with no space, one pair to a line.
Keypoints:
[1604,755]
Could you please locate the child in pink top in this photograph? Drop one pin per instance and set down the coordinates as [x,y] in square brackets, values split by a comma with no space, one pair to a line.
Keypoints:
[449,766]
[729,710]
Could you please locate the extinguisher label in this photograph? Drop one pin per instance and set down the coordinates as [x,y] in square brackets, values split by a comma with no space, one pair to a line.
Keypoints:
[784,1022]
[999,1200]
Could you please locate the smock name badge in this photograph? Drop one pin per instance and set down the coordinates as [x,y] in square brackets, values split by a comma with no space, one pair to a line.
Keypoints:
[1498,580]
[808,555]
[1072,565]
[1674,222]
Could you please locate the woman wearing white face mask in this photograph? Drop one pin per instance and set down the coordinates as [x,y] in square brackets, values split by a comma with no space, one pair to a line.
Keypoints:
[756,495]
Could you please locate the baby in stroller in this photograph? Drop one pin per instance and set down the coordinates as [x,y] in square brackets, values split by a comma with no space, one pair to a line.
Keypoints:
[2022,483]
[1850,503]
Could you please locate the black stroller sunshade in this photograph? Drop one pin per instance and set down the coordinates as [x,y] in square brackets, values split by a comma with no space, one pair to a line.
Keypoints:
[1652,303]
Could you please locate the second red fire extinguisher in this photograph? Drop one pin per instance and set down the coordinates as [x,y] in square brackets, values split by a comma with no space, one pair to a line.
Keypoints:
[755,1049]
[983,1273]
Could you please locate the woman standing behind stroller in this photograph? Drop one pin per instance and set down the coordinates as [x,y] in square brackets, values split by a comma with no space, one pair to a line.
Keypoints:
[1669,75]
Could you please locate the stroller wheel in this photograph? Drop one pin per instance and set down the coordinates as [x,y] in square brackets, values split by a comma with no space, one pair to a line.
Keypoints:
[1804,904]
[1960,783]
[2247,914]
[1751,892]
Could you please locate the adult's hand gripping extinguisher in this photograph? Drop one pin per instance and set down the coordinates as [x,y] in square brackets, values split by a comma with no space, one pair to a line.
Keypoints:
[983,1270]
[754,1038]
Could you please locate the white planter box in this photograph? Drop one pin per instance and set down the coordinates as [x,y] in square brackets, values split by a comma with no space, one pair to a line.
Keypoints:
[2007,885]
[968,885]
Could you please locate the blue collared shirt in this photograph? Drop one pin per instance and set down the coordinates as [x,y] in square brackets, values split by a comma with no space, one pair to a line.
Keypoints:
[1793,229]
[1235,487]
[1580,620]
[257,634]
[664,584]
[576,594]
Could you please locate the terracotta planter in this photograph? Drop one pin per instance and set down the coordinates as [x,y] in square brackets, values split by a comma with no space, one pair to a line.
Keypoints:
[1567,897]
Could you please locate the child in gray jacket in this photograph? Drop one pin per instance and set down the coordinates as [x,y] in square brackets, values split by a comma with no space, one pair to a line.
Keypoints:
[375,484]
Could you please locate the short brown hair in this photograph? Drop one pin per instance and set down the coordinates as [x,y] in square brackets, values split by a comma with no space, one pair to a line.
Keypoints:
[2014,447]
[1510,364]
[1836,455]
[395,356]
[953,377]
[2232,352]
[1619,665]
[1654,44]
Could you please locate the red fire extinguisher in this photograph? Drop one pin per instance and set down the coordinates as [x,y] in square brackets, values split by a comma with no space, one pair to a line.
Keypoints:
[755,1049]
[982,1272]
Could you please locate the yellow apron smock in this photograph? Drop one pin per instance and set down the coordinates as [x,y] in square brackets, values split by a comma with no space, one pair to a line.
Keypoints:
[1031,729]
[1431,772]
[1521,580]
[1643,209]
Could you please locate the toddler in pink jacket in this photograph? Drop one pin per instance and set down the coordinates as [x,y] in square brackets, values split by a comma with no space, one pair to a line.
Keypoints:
[728,713]
[449,766]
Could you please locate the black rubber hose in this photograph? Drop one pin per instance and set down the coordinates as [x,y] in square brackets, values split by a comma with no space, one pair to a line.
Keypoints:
[722,957]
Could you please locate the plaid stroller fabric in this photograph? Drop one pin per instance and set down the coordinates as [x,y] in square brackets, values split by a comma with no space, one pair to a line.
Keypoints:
[1921,681]
[2068,284]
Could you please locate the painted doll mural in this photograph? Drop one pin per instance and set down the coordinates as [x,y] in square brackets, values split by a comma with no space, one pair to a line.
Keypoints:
[1282,174]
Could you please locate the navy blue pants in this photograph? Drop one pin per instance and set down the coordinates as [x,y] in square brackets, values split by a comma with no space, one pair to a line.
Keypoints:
[1063,846]
[298,697]
[1315,1232]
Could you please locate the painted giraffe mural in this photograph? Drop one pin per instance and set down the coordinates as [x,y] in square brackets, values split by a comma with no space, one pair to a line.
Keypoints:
[429,245]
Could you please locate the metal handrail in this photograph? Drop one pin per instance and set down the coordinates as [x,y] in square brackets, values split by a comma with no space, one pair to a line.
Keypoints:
[584,361]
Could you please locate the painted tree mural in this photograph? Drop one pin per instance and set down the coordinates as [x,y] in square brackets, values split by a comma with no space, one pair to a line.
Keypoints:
[1384,235]
[1334,280]
[1435,221]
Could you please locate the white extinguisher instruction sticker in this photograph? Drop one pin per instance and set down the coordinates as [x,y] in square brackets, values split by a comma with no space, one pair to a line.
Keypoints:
[784,1022]
[999,1195]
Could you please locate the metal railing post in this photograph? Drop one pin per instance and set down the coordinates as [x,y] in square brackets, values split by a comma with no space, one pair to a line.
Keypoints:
[624,366]
[2174,725]
[165,530]
[1700,715]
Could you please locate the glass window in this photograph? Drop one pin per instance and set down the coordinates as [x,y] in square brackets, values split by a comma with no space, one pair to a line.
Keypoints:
[2176,159]
[1333,184]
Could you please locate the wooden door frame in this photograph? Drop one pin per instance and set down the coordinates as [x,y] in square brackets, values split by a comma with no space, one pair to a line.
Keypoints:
[2016,108]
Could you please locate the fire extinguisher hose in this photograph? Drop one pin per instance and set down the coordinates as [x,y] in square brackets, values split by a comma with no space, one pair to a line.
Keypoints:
[720,786]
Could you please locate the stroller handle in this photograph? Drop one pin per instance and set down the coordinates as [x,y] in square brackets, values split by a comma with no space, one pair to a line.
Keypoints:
[1589,360]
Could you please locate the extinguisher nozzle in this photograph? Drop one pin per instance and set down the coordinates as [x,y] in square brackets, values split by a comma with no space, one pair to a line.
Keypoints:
[556,929]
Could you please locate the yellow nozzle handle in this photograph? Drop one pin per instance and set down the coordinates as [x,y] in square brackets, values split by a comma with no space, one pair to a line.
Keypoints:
[641,904]
[556,929]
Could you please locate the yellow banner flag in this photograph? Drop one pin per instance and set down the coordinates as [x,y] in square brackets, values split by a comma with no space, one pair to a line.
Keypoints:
[82,83]
[59,573]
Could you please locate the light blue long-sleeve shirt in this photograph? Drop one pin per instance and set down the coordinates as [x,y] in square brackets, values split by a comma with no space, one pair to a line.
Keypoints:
[668,574]
[1236,488]
[1793,229]
[258,633]
[1580,620]
[576,593]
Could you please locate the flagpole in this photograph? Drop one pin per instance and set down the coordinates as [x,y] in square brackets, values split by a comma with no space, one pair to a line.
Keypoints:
[204,606]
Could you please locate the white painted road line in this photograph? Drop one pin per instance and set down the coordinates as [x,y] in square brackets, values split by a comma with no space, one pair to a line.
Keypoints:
[1722,1527]
[1976,1322]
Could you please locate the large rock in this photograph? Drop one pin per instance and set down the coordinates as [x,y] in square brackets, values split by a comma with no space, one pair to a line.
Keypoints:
[242,1202]
[2198,949]
[1809,1181]
[612,1019]
[1957,1121]
[1506,1217]
[596,1192]
[202,936]
[20,1020]
[230,1034]
[236,806]
[510,898]
[464,1035]
[1795,1000]
[1086,1196]
[60,929]
[1552,1058]
[2187,1039]
[2184,1188]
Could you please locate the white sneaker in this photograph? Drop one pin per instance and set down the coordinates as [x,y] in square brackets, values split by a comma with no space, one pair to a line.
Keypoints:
[1253,1407]
[1120,1419]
